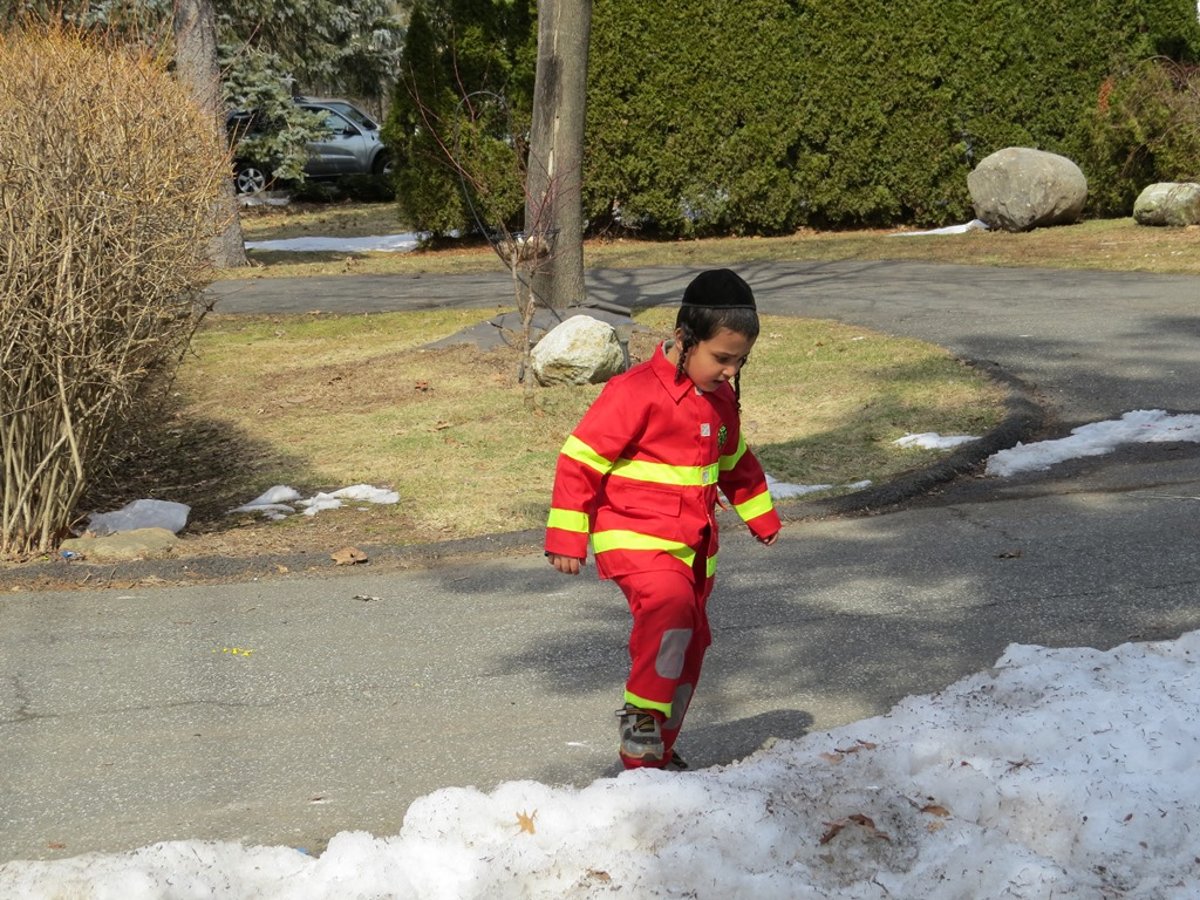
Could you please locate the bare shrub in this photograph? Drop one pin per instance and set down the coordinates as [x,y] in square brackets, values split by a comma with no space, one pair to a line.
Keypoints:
[107,174]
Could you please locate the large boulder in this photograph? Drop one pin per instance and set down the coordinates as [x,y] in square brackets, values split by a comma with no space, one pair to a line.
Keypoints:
[580,350]
[1018,189]
[1168,203]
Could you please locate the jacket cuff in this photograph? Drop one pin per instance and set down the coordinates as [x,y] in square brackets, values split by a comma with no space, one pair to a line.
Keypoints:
[566,543]
[765,525]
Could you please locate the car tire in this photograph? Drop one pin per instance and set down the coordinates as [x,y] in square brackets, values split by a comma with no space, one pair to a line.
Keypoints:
[382,165]
[250,178]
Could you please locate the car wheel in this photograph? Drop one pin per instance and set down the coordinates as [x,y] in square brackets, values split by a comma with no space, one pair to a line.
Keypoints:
[250,178]
[382,165]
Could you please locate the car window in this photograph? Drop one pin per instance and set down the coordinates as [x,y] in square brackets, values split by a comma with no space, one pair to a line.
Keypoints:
[354,114]
[337,124]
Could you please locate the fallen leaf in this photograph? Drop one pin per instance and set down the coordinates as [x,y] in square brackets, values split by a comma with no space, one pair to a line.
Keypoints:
[839,754]
[934,810]
[56,845]
[421,386]
[834,829]
[602,877]
[1009,554]
[525,821]
[348,556]
[864,822]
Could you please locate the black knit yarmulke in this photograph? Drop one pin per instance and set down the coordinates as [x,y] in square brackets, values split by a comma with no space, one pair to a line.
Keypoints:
[719,288]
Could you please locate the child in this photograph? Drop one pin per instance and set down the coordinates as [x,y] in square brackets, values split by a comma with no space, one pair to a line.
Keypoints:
[640,475]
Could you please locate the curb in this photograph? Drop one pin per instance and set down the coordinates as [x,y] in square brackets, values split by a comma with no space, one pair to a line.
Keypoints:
[1025,418]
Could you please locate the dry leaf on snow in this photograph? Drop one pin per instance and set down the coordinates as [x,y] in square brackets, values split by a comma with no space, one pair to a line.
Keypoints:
[525,821]
[864,822]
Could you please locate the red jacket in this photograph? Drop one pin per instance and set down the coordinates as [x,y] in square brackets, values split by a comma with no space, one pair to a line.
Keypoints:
[641,470]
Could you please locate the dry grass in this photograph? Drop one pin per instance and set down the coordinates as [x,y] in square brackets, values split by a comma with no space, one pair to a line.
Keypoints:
[1111,244]
[322,402]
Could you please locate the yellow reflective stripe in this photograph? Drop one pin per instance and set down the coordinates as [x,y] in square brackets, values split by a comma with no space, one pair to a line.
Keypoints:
[732,459]
[642,703]
[754,507]
[577,450]
[711,568]
[662,473]
[568,520]
[618,539]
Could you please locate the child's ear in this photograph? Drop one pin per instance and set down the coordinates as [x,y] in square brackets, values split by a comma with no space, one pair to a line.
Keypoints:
[678,336]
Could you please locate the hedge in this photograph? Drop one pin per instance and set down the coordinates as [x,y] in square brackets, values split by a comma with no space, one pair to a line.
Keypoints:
[761,116]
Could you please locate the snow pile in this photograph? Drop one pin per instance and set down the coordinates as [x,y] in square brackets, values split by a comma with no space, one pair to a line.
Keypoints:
[1059,772]
[281,501]
[782,490]
[931,440]
[140,514]
[1142,426]
[973,225]
[385,243]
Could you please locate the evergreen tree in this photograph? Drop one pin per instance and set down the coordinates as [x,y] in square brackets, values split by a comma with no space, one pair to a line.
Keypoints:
[268,51]
[460,114]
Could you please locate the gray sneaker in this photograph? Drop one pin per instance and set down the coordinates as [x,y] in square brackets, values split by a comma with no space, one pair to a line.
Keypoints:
[641,735]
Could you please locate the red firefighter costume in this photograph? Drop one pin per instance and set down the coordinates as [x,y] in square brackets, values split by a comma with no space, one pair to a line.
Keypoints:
[640,475]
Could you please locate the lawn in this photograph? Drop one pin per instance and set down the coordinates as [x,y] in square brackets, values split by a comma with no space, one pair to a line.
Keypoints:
[320,402]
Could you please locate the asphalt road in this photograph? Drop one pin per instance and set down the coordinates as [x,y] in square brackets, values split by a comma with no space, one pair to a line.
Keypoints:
[285,710]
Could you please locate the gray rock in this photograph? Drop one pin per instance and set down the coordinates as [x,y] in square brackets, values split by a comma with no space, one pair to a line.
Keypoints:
[140,543]
[1168,203]
[1018,189]
[505,330]
[582,350]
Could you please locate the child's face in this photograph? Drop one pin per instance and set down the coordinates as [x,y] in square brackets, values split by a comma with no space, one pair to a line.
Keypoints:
[711,363]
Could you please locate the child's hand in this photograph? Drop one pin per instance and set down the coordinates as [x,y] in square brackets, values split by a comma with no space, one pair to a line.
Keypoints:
[770,539]
[568,565]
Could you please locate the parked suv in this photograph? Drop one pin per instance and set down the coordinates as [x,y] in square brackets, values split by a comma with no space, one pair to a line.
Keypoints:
[352,144]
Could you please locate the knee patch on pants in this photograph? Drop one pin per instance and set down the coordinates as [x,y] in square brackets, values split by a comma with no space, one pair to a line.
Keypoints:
[672,652]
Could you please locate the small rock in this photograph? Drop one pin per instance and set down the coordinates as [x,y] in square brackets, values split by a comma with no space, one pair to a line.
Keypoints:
[582,350]
[140,543]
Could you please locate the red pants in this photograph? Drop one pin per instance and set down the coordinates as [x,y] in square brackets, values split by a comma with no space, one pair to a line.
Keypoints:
[666,645]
